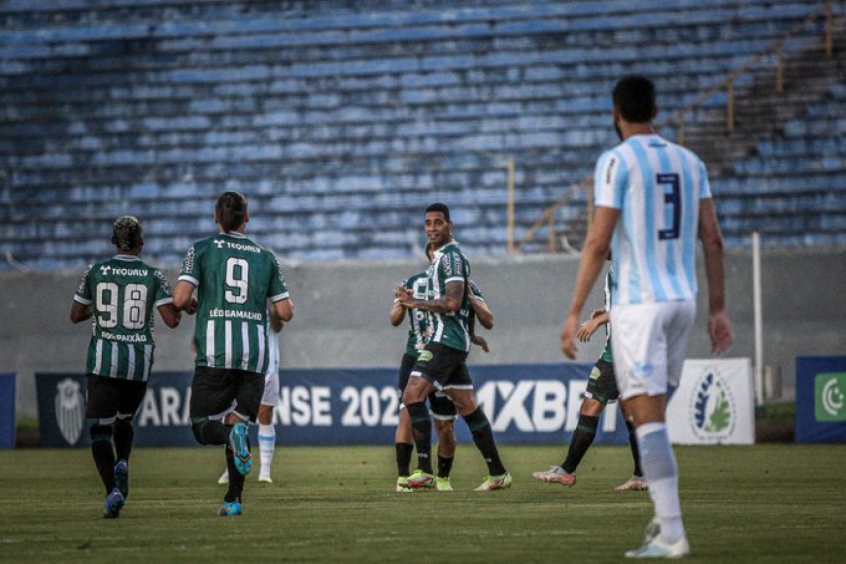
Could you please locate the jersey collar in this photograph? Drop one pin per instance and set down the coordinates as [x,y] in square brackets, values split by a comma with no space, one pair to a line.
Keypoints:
[127,258]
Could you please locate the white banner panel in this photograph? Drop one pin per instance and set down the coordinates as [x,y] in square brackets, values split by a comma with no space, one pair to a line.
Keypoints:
[714,403]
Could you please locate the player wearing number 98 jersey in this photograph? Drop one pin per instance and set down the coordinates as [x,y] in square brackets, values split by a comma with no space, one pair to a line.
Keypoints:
[234,278]
[120,294]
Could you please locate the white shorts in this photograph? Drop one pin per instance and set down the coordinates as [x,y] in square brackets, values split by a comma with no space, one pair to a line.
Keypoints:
[649,343]
[271,389]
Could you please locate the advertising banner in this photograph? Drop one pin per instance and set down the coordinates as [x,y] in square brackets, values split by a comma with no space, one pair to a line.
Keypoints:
[526,404]
[714,403]
[7,411]
[821,399]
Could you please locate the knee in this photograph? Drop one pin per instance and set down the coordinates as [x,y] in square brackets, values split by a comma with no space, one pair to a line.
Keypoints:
[198,428]
[100,432]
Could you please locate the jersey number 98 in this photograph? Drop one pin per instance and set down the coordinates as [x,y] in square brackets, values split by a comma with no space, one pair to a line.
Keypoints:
[134,305]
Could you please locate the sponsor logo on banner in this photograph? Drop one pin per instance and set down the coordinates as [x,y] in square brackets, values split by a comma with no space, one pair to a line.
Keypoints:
[713,412]
[830,397]
[70,410]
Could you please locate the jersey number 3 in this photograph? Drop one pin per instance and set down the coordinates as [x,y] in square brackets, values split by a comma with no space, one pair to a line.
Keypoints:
[673,199]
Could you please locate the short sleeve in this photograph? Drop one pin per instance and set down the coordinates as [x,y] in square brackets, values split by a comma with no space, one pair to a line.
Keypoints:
[278,288]
[704,184]
[164,295]
[477,292]
[610,180]
[190,268]
[83,293]
[451,267]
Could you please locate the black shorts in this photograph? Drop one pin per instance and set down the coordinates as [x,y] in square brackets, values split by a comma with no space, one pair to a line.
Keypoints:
[439,404]
[602,385]
[215,391]
[445,367]
[112,398]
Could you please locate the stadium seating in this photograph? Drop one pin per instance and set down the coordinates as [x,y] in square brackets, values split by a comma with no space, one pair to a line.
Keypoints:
[342,122]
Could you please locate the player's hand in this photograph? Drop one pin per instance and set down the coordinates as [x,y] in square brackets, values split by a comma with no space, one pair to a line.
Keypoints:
[719,330]
[587,329]
[480,342]
[192,306]
[568,334]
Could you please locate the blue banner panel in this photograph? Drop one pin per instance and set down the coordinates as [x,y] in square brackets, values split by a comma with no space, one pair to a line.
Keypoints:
[821,399]
[162,419]
[526,404]
[7,411]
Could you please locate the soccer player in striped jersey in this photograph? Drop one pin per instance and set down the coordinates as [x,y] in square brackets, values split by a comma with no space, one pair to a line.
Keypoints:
[234,278]
[601,390]
[441,407]
[442,364]
[120,294]
[653,201]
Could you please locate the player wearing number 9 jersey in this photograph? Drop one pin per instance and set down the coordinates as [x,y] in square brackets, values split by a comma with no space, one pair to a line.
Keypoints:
[234,278]
[120,294]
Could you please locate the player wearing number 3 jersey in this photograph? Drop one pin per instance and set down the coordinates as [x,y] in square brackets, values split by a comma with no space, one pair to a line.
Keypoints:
[234,278]
[120,294]
[653,203]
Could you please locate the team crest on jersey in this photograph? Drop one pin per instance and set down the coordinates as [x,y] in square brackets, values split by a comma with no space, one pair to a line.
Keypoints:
[70,410]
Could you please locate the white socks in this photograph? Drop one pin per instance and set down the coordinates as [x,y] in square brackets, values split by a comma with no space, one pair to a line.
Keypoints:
[661,473]
[267,447]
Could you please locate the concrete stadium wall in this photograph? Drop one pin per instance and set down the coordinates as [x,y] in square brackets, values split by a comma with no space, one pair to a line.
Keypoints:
[342,308]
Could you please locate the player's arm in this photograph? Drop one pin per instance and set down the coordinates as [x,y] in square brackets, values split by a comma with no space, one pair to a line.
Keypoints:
[449,303]
[482,311]
[397,311]
[275,321]
[594,255]
[471,329]
[183,296]
[598,318]
[719,325]
[80,312]
[284,309]
[170,315]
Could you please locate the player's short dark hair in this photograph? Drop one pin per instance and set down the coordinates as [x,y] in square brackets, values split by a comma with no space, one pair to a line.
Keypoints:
[126,233]
[438,207]
[634,97]
[231,210]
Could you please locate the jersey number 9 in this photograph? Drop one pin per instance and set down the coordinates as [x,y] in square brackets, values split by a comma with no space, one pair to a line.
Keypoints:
[237,276]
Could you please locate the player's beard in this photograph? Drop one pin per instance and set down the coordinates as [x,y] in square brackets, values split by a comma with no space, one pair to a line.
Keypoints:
[618,130]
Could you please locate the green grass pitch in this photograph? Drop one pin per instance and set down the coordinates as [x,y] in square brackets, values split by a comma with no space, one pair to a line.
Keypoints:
[766,503]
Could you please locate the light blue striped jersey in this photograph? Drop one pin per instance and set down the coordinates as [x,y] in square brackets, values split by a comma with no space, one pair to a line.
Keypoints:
[657,186]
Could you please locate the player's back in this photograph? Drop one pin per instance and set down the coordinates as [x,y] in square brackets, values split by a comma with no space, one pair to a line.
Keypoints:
[234,278]
[657,186]
[123,292]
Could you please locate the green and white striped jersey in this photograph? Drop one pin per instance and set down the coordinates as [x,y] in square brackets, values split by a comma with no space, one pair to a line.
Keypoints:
[419,321]
[234,278]
[123,293]
[450,265]
[607,355]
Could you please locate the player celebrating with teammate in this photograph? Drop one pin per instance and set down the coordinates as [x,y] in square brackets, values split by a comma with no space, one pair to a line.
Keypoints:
[442,363]
[234,279]
[653,201]
[441,407]
[120,294]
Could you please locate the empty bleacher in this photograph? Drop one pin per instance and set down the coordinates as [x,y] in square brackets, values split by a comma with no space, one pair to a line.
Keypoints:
[342,121]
